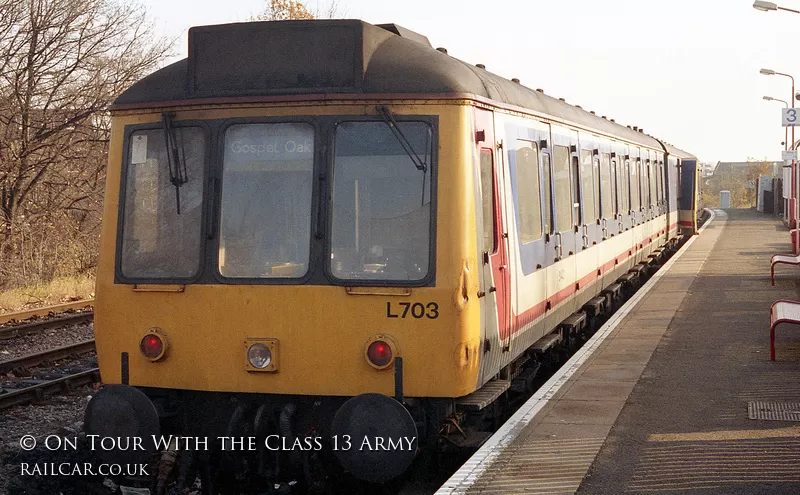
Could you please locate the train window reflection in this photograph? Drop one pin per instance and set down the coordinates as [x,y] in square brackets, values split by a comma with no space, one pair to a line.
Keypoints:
[157,242]
[526,160]
[588,189]
[381,217]
[563,188]
[607,189]
[265,222]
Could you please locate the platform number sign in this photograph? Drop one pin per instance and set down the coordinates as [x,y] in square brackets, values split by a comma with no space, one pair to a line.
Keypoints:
[791,117]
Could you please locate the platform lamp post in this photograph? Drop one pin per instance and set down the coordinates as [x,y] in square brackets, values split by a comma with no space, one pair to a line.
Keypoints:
[796,176]
[786,206]
[786,130]
[765,7]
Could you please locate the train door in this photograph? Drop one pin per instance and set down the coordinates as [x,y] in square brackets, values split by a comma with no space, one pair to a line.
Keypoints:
[590,192]
[608,190]
[566,213]
[495,285]
[687,199]
[624,163]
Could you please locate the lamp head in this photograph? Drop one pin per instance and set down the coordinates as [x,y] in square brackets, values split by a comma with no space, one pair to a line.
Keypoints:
[764,6]
[768,98]
[767,72]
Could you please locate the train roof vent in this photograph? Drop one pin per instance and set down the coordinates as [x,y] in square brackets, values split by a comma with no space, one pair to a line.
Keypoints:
[406,33]
[578,106]
[591,112]
[442,49]
[641,130]
[515,80]
[480,66]
[562,99]
[612,120]
[539,90]
[635,128]
[604,117]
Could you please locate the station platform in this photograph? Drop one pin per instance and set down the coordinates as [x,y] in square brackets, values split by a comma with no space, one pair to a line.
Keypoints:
[660,400]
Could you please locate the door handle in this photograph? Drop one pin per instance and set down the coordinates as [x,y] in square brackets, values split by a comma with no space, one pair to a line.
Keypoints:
[559,247]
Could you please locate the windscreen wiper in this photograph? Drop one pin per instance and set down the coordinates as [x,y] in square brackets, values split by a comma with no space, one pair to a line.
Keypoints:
[176,161]
[401,138]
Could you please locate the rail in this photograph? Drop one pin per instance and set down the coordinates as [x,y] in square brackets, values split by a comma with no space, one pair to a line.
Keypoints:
[49,355]
[37,392]
[34,327]
[45,311]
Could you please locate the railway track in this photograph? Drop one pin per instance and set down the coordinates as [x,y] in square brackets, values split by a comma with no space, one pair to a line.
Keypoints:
[34,327]
[48,355]
[40,320]
[37,392]
[20,316]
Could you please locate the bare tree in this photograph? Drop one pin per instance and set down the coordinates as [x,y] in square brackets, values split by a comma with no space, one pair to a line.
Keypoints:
[282,10]
[62,62]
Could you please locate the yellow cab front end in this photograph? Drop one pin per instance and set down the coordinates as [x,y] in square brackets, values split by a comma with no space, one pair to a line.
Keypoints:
[271,246]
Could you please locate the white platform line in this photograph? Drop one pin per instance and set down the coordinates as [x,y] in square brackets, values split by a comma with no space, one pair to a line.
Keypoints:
[463,479]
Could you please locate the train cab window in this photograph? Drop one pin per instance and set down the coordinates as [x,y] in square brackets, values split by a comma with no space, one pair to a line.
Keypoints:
[265,220]
[527,190]
[488,194]
[381,211]
[161,240]
[548,193]
[606,186]
[563,188]
[588,188]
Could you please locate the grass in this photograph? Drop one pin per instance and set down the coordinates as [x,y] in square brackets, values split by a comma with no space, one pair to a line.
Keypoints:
[57,291]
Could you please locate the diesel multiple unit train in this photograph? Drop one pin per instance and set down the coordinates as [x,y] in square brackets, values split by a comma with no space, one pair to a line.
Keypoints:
[328,246]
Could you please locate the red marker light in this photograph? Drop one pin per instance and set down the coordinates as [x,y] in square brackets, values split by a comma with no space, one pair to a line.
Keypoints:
[379,354]
[152,346]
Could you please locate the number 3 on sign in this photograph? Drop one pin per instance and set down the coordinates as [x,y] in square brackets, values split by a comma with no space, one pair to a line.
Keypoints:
[790,116]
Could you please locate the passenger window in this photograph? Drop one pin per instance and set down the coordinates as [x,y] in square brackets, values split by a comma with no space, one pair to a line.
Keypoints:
[626,187]
[590,198]
[528,199]
[562,188]
[488,194]
[548,193]
[607,186]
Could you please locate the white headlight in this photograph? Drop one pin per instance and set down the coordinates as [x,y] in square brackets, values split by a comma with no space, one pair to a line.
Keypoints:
[259,356]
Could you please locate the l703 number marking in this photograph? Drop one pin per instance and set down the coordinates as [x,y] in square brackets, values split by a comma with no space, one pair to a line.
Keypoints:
[413,310]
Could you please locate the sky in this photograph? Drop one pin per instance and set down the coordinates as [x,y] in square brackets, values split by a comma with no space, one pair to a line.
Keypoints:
[686,71]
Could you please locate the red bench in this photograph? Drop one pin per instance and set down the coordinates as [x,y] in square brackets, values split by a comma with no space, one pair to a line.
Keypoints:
[788,259]
[781,311]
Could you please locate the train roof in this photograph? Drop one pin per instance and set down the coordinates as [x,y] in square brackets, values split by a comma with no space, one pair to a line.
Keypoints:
[280,58]
[672,150]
